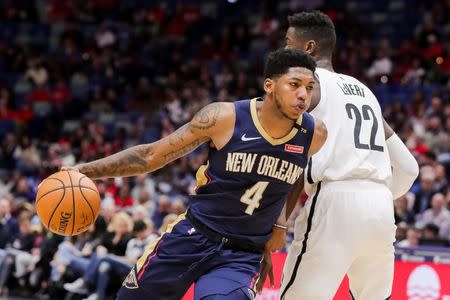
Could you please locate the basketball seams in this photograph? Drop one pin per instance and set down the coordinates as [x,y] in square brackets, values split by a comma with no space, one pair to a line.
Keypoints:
[51,191]
[60,188]
[73,202]
[56,207]
[85,199]
[86,187]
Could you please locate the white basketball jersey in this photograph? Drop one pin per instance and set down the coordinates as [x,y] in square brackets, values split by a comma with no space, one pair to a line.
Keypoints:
[355,147]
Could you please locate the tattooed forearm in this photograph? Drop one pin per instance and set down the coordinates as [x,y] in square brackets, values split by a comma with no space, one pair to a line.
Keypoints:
[178,135]
[182,151]
[206,117]
[129,162]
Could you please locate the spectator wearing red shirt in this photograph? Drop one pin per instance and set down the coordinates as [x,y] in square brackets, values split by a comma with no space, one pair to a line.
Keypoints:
[124,199]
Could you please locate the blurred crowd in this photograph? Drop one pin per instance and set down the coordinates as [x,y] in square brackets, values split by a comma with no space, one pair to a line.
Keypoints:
[82,79]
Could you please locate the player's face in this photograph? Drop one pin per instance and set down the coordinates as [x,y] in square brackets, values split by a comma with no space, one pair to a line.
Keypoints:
[293,92]
[293,40]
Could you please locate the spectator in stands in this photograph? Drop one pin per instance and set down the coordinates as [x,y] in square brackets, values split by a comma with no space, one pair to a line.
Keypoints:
[24,243]
[434,134]
[402,212]
[22,191]
[113,242]
[440,182]
[380,66]
[430,231]
[425,191]
[7,220]
[73,254]
[123,199]
[437,214]
[162,210]
[431,236]
[117,267]
[27,157]
[143,182]
[414,74]
[412,238]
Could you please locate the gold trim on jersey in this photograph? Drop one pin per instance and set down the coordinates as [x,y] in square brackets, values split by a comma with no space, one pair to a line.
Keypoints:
[263,132]
[201,177]
[141,261]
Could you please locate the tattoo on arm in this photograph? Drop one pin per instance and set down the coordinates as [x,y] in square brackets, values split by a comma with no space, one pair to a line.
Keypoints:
[181,152]
[206,117]
[178,135]
[129,162]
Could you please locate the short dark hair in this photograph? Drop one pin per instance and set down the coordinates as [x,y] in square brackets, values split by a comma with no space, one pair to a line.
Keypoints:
[316,25]
[278,62]
[139,226]
[432,227]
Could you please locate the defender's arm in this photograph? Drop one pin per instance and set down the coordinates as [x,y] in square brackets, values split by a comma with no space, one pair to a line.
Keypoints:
[404,166]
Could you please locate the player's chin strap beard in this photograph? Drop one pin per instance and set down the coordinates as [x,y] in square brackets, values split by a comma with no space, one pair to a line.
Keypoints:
[279,107]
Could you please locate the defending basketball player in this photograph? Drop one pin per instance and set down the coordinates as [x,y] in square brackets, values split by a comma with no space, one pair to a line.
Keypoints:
[258,149]
[347,224]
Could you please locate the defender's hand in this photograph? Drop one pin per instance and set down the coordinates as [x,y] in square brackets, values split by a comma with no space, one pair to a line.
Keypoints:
[266,269]
[277,241]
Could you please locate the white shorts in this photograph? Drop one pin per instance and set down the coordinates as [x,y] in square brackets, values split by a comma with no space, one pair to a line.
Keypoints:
[345,227]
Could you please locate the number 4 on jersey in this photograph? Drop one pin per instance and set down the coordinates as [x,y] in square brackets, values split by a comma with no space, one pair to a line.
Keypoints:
[253,195]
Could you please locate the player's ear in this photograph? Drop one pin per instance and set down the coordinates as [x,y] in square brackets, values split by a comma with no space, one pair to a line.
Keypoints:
[268,85]
[310,47]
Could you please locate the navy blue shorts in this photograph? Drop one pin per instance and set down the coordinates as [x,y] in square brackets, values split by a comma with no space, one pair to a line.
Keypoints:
[182,256]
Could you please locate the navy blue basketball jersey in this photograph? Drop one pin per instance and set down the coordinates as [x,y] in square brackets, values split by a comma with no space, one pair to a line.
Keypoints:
[243,187]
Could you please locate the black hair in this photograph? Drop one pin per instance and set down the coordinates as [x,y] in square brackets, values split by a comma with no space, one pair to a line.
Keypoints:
[316,26]
[278,62]
[139,226]
[432,227]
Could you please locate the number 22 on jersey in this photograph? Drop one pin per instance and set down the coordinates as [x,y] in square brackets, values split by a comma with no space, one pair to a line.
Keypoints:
[253,195]
[367,114]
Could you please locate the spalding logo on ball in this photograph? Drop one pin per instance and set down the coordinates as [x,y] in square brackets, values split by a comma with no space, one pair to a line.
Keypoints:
[67,203]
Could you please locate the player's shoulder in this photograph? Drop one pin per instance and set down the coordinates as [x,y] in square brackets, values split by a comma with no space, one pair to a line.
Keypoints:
[215,111]
[214,115]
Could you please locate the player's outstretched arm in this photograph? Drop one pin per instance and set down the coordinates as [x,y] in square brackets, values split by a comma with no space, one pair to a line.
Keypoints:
[404,166]
[204,127]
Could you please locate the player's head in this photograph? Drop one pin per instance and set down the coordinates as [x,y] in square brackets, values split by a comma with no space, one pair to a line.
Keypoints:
[289,80]
[313,32]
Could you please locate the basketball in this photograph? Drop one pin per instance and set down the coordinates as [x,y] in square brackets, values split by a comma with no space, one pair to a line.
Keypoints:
[67,202]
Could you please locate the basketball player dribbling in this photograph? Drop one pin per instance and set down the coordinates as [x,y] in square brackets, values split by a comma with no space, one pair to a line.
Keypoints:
[258,149]
[347,224]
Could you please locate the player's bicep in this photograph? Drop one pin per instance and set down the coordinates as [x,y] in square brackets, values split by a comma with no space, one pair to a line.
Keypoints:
[188,137]
[319,137]
[179,143]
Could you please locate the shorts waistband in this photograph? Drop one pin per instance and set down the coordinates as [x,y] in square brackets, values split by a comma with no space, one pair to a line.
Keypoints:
[354,184]
[228,242]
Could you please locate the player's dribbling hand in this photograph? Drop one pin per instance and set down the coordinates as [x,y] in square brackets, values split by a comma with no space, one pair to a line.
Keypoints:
[266,269]
[277,241]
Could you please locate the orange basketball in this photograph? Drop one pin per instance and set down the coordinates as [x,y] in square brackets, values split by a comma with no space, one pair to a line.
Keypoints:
[67,202]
